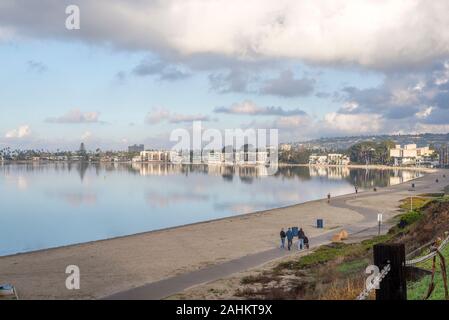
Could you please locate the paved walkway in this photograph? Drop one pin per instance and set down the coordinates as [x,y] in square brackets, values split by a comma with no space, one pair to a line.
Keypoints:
[368,227]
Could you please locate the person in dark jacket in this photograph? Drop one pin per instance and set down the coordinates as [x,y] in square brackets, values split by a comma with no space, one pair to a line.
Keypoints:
[283,236]
[289,238]
[301,236]
[306,242]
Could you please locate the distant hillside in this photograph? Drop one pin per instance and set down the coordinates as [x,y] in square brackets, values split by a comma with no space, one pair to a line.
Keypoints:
[343,143]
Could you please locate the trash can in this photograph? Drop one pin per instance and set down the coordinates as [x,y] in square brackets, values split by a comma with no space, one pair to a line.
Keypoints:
[319,223]
[295,231]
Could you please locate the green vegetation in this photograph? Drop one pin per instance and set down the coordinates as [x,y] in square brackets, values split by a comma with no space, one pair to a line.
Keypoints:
[369,152]
[418,290]
[336,271]
[353,266]
[415,202]
[410,217]
[300,156]
[333,251]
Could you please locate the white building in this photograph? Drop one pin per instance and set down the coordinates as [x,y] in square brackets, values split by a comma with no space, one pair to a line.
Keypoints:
[155,156]
[337,159]
[215,157]
[315,159]
[410,154]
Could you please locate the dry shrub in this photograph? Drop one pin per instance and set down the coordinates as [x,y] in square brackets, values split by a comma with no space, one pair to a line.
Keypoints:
[347,289]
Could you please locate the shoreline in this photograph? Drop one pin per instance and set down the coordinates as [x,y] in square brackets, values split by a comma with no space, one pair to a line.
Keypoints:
[242,215]
[361,166]
[114,265]
[282,164]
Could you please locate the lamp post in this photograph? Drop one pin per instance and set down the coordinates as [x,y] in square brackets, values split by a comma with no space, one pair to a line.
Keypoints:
[379,221]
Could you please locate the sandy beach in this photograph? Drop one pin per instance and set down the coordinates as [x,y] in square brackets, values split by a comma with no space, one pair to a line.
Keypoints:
[114,265]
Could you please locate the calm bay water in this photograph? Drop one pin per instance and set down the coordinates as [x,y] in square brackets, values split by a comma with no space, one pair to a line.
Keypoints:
[51,205]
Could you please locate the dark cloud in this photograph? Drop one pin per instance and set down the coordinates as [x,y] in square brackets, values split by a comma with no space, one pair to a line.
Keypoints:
[286,85]
[36,66]
[405,100]
[120,76]
[161,70]
[273,31]
[235,80]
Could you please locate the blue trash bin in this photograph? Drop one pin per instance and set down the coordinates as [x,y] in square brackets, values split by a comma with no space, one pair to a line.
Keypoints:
[295,231]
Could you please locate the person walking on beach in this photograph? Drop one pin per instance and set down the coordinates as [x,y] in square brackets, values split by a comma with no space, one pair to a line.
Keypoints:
[356,189]
[283,235]
[306,242]
[289,238]
[301,236]
[328,198]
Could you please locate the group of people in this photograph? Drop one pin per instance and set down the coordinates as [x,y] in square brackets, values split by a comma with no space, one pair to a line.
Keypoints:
[303,241]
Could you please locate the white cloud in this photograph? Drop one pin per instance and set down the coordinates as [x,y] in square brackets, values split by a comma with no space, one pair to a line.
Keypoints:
[431,128]
[75,116]
[350,106]
[21,132]
[292,122]
[377,34]
[158,115]
[248,107]
[425,113]
[86,135]
[353,123]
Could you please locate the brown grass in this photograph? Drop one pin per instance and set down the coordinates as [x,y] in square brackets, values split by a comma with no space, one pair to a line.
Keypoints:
[347,289]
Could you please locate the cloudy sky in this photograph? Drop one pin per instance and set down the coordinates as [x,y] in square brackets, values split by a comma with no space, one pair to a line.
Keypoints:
[137,69]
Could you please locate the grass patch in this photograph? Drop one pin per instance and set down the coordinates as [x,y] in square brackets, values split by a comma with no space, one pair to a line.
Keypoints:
[431,195]
[353,266]
[327,253]
[415,202]
[418,290]
[428,264]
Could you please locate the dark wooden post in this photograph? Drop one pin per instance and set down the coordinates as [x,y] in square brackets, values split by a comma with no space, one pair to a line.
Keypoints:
[393,286]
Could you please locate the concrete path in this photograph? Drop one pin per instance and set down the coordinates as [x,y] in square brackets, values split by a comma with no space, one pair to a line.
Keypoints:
[368,227]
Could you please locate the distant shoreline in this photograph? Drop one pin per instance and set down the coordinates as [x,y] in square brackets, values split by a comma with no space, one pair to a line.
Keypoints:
[361,166]
[350,166]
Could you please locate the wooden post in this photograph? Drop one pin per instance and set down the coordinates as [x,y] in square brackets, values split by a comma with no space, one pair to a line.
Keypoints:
[393,286]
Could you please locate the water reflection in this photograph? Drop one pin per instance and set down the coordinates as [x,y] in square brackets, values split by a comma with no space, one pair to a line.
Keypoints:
[48,205]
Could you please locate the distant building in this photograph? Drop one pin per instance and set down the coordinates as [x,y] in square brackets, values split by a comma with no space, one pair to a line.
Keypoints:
[82,150]
[330,159]
[444,156]
[316,159]
[136,148]
[337,159]
[285,147]
[410,154]
[154,156]
[215,157]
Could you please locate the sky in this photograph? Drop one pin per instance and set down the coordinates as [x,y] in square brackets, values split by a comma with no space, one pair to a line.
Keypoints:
[138,69]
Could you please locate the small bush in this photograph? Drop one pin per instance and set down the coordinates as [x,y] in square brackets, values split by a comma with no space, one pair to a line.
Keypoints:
[410,218]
